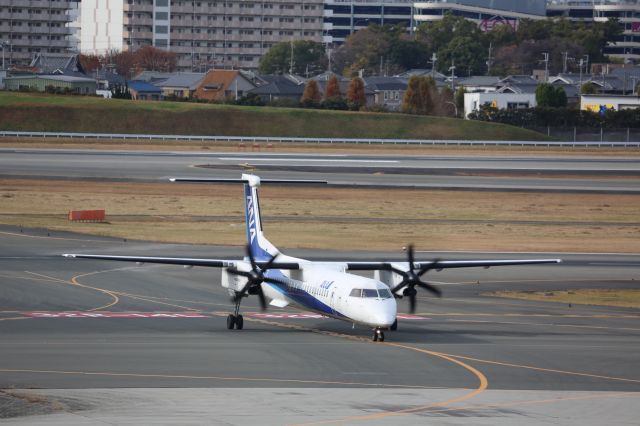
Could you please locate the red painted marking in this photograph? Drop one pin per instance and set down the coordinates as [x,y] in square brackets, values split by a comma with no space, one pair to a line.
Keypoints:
[411,317]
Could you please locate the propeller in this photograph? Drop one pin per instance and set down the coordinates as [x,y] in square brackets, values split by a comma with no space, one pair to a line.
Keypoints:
[255,278]
[411,279]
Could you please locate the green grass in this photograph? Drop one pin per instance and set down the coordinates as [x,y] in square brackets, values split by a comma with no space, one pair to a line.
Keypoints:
[39,112]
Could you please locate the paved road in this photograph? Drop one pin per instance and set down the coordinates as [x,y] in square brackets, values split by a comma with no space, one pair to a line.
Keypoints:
[116,343]
[539,173]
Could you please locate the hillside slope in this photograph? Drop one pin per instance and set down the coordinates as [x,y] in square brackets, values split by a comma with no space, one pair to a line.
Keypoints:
[36,112]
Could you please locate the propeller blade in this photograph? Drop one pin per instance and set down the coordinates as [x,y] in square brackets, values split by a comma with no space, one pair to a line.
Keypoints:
[251,259]
[275,281]
[237,272]
[270,262]
[263,302]
[429,287]
[412,303]
[411,258]
[402,284]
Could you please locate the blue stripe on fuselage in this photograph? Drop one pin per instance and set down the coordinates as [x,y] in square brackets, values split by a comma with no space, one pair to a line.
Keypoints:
[300,296]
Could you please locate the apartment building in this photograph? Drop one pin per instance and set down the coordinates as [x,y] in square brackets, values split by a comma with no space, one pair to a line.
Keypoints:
[219,33]
[486,13]
[627,46]
[29,27]
[344,17]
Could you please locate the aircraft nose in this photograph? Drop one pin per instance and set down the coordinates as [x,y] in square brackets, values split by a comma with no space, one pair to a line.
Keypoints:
[385,317]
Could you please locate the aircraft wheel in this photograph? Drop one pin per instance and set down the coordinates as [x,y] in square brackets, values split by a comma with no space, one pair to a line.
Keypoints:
[231,321]
[375,335]
[380,336]
[394,326]
[239,322]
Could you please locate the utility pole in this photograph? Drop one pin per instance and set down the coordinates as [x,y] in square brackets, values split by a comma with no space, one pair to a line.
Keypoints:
[565,57]
[546,66]
[586,65]
[434,59]
[489,59]
[291,60]
[452,68]
[580,64]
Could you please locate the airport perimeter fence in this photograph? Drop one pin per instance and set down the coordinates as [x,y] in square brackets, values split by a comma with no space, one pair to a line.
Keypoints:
[590,134]
[567,138]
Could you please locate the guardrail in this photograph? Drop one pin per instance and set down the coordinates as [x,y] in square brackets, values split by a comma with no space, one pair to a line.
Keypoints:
[294,140]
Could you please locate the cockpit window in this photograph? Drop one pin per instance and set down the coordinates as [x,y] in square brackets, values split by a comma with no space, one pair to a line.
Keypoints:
[384,293]
[356,292]
[369,292]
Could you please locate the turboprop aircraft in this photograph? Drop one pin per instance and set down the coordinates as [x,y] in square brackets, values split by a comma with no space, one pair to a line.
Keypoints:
[327,288]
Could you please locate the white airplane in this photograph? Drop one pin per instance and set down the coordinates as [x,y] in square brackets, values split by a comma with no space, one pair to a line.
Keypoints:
[326,288]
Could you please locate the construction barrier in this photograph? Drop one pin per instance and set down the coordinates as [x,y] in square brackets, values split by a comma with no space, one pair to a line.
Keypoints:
[87,215]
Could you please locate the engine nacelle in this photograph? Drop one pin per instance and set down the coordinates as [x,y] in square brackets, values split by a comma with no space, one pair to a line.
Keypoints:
[390,278]
[235,282]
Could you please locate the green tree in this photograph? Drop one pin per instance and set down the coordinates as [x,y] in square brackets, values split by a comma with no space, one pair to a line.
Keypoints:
[308,56]
[548,95]
[355,94]
[311,95]
[588,88]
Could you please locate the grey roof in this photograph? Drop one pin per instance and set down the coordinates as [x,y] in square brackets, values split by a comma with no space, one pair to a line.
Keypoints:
[50,63]
[325,76]
[152,76]
[519,79]
[626,71]
[478,80]
[385,83]
[190,80]
[518,88]
[278,85]
[419,72]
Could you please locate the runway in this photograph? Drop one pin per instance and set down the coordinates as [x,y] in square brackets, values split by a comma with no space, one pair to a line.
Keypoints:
[104,342]
[463,172]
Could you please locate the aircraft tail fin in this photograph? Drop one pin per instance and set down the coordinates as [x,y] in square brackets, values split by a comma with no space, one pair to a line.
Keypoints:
[261,248]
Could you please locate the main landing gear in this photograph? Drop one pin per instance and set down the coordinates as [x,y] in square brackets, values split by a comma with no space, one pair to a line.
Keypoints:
[378,335]
[235,319]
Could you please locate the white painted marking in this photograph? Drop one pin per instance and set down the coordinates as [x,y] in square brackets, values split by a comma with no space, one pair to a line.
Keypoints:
[116,315]
[306,160]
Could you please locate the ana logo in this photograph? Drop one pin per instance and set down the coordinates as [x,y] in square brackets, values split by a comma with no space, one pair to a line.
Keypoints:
[252,219]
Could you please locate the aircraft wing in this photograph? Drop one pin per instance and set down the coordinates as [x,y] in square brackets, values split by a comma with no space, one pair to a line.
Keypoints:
[186,261]
[446,264]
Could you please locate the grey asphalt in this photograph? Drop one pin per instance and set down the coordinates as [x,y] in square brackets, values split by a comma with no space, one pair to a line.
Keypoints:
[537,173]
[543,362]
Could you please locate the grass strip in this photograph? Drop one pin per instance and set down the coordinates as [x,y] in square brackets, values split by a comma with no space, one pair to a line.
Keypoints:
[602,297]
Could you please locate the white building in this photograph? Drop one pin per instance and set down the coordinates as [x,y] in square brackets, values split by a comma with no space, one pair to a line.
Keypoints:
[601,103]
[473,101]
[101,26]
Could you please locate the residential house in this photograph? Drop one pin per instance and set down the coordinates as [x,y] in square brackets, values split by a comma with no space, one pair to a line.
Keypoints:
[483,84]
[218,85]
[181,85]
[279,88]
[601,103]
[500,100]
[386,92]
[144,91]
[57,64]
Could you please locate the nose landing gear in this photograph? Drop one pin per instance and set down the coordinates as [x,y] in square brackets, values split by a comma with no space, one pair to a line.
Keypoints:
[378,335]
